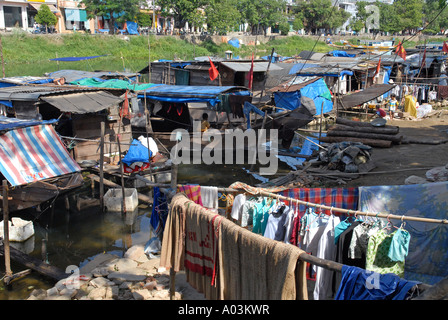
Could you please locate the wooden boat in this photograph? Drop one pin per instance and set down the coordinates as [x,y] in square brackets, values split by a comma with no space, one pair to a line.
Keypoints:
[366,47]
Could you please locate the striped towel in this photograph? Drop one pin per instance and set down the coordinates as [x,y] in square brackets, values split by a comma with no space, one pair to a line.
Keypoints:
[193,192]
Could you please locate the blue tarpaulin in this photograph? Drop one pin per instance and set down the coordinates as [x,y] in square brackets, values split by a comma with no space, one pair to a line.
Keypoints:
[188,94]
[76,58]
[317,91]
[137,153]
[248,108]
[338,53]
[7,123]
[234,42]
[132,27]
[300,66]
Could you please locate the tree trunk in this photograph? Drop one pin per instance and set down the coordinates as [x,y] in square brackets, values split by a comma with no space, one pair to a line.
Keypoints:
[365,135]
[369,142]
[359,123]
[372,129]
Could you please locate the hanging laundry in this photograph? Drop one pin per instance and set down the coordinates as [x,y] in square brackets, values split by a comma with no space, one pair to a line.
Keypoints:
[276,224]
[326,250]
[360,239]
[313,230]
[342,253]
[399,247]
[377,258]
[261,213]
[359,284]
[193,192]
[427,259]
[345,198]
[237,205]
[209,198]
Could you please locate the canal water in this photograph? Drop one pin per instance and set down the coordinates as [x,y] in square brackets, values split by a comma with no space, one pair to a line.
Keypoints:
[75,235]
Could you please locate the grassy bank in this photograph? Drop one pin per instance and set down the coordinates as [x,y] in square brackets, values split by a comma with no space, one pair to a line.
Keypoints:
[27,54]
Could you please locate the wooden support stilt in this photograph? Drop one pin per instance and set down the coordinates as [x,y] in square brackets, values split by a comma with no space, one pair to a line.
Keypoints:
[174,169]
[8,271]
[103,130]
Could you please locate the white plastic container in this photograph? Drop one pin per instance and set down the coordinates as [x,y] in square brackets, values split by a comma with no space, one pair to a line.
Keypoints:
[114,198]
[19,230]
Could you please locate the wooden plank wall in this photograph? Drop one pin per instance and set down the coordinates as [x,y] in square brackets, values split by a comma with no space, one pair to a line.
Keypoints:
[88,127]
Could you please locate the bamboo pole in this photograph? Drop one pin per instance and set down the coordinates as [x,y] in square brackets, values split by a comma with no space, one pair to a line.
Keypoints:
[123,192]
[103,129]
[1,54]
[174,169]
[6,233]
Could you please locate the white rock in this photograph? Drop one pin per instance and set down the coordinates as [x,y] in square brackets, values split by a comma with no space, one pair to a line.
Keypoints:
[97,293]
[134,252]
[101,282]
[52,292]
[142,294]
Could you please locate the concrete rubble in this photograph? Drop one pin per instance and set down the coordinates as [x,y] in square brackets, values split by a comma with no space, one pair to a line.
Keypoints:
[109,277]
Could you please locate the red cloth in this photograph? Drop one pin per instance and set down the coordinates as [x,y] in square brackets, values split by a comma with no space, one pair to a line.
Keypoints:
[400,51]
[212,71]
[381,113]
[345,198]
[445,47]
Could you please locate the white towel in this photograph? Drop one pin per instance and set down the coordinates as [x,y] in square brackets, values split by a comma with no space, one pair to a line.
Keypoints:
[209,197]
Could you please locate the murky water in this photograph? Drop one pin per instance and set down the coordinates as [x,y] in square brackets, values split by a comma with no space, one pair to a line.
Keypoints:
[73,236]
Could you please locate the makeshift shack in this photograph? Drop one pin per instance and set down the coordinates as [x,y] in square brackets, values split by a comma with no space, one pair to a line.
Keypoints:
[35,162]
[79,112]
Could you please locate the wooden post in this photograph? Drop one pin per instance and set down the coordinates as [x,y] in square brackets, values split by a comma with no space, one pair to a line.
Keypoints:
[103,129]
[1,54]
[321,119]
[174,169]
[6,232]
[123,191]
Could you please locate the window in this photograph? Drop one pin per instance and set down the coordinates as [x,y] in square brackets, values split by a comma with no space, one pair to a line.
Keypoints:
[13,16]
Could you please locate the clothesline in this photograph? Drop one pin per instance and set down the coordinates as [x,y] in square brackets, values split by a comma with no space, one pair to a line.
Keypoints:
[340,210]
[315,205]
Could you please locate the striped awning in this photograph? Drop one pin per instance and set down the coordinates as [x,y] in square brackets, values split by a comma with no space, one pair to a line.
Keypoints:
[32,154]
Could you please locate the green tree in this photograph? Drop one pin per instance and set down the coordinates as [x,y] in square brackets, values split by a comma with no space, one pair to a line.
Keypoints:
[222,16]
[409,14]
[114,10]
[321,14]
[431,10]
[144,19]
[389,21]
[184,11]
[45,17]
[297,23]
[263,13]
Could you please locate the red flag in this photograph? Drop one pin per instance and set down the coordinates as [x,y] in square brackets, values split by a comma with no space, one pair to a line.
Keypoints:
[400,51]
[377,68]
[250,75]
[212,71]
[445,47]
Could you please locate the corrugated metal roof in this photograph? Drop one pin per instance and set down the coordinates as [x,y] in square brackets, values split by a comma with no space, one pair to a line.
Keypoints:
[83,102]
[33,93]
[73,75]
[358,98]
[245,66]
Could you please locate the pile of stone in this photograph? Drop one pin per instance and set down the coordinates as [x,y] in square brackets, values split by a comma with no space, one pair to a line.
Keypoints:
[436,174]
[109,277]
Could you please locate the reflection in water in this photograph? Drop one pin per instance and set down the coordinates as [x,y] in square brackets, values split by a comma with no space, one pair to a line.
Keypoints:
[73,237]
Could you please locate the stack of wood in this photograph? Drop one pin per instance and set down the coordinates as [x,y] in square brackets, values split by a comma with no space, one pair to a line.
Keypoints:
[364,132]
